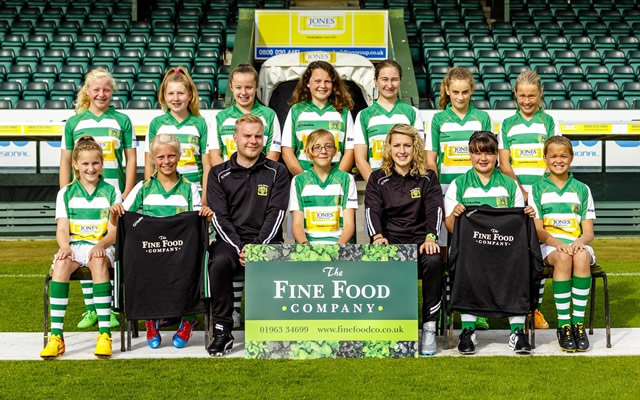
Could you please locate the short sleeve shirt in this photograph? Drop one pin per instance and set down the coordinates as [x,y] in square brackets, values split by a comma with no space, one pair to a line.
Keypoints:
[88,214]
[374,122]
[113,131]
[562,210]
[323,203]
[150,198]
[305,117]
[192,133]
[224,126]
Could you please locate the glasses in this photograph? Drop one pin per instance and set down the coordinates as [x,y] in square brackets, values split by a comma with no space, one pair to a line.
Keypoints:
[327,147]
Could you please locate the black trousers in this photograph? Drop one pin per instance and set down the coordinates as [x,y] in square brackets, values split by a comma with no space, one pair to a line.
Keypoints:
[430,271]
[224,264]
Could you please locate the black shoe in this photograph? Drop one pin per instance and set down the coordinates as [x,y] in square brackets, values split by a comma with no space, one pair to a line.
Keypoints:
[580,336]
[466,345]
[565,338]
[518,342]
[222,343]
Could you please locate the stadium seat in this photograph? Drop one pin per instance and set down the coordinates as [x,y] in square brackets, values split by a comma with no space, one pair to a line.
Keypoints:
[571,73]
[486,58]
[505,105]
[561,105]
[79,57]
[507,43]
[37,91]
[501,29]
[499,91]
[481,104]
[493,73]
[604,43]
[72,73]
[437,57]
[547,72]
[606,91]
[139,104]
[54,57]
[204,73]
[122,92]
[37,41]
[572,29]
[596,73]
[626,43]
[617,29]
[218,104]
[205,90]
[613,58]
[54,104]
[553,91]
[135,41]
[432,43]
[616,105]
[210,42]
[514,71]
[513,58]
[539,58]
[462,58]
[111,42]
[621,74]
[529,43]
[636,104]
[144,91]
[63,91]
[104,57]
[19,73]
[151,73]
[580,91]
[589,57]
[181,57]
[457,42]
[26,105]
[556,43]
[118,104]
[10,91]
[588,105]
[185,42]
[30,57]
[222,80]
[5,105]
[479,42]
[631,91]
[578,43]
[45,73]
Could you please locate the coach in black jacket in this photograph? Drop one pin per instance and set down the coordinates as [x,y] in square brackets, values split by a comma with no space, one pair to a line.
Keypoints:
[403,205]
[249,195]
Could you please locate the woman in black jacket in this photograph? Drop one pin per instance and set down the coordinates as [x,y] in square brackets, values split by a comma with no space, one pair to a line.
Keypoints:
[403,204]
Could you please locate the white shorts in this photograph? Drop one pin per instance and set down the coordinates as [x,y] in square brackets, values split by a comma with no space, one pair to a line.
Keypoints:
[81,254]
[546,250]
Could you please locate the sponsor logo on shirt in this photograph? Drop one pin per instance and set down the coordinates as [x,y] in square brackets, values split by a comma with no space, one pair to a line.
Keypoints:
[263,190]
[492,238]
[415,193]
[335,125]
[163,245]
[114,133]
[502,202]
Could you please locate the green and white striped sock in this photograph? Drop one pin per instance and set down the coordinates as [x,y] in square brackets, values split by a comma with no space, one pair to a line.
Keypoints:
[87,294]
[579,297]
[59,298]
[102,300]
[562,296]
[238,287]
[541,294]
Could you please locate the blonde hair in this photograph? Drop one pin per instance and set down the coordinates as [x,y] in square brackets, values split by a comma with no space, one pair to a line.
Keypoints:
[313,138]
[180,74]
[529,78]
[249,119]
[83,101]
[454,74]
[85,143]
[417,164]
[164,138]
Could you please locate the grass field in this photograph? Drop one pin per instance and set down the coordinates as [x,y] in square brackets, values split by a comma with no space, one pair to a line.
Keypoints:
[23,266]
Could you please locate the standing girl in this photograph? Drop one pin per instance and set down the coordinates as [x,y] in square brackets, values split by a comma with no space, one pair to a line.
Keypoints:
[521,140]
[323,199]
[447,146]
[165,194]
[373,123]
[85,236]
[178,97]
[564,222]
[243,82]
[485,185]
[114,132]
[320,101]
[403,204]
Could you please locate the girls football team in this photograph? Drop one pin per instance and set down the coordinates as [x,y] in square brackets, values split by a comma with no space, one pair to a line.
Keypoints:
[457,159]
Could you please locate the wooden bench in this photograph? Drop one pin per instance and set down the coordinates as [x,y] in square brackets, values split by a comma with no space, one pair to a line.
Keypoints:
[28,219]
[617,218]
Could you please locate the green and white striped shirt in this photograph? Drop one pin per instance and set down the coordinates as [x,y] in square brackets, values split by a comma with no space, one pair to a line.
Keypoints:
[450,139]
[88,214]
[224,127]
[305,117]
[113,131]
[150,196]
[192,133]
[374,122]
[562,210]
[323,203]
[500,192]
[525,142]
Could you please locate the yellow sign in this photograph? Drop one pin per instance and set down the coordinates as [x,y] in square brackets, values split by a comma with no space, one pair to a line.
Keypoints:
[364,32]
[43,129]
[10,129]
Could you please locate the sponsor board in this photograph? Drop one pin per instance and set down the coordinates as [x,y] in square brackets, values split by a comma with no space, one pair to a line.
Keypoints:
[358,32]
[327,301]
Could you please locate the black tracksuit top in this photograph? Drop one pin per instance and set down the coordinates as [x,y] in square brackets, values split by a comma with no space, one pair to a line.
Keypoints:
[403,206]
[249,203]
